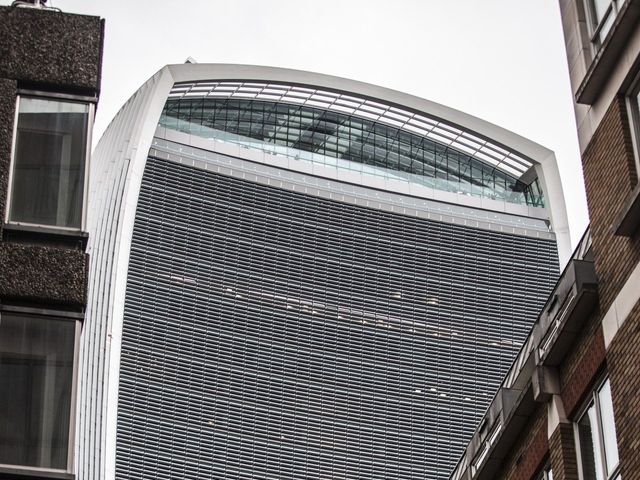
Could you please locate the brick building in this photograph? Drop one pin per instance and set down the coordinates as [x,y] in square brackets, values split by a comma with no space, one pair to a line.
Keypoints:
[49,84]
[569,408]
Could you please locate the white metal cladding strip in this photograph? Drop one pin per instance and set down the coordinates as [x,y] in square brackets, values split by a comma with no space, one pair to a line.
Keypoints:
[506,160]
[118,163]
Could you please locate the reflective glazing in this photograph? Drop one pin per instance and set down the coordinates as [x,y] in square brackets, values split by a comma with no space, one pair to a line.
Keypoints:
[346,141]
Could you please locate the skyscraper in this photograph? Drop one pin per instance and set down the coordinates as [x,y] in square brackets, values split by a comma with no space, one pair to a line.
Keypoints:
[303,276]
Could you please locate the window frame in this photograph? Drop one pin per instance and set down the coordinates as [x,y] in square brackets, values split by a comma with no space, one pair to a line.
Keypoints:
[546,473]
[592,399]
[58,315]
[632,99]
[596,26]
[91,104]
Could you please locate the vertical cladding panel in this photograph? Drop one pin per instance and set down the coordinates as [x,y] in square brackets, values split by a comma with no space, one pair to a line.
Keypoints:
[110,198]
[271,334]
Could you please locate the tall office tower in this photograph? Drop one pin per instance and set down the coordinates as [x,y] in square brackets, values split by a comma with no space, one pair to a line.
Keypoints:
[300,276]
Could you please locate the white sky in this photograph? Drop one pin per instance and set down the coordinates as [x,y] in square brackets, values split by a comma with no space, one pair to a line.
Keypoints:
[500,60]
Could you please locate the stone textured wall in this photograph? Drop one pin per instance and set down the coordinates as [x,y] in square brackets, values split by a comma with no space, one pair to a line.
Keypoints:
[49,51]
[43,275]
[51,48]
[7,115]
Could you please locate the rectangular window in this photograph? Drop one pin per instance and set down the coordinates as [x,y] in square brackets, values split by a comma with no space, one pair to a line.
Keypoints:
[49,162]
[36,389]
[633,102]
[546,474]
[596,437]
[602,14]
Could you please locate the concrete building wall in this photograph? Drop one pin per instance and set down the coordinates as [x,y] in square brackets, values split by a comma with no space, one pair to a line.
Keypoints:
[50,55]
[61,50]
[43,50]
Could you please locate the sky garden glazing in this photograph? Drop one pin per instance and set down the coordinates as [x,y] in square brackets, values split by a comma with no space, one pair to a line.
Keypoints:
[351,133]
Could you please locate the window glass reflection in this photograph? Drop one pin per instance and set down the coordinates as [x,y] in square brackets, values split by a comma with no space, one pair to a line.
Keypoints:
[608,427]
[49,163]
[597,436]
[600,8]
[346,142]
[36,370]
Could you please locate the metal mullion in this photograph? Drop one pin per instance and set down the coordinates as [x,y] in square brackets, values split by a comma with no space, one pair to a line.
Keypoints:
[603,457]
[600,25]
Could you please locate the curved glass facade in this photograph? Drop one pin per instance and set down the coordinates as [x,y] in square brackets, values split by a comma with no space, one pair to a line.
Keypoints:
[346,141]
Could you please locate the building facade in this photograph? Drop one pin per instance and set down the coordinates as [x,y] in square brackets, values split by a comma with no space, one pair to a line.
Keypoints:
[49,84]
[568,409]
[302,276]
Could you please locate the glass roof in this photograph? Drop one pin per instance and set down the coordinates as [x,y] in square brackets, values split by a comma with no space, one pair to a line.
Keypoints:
[345,130]
[466,142]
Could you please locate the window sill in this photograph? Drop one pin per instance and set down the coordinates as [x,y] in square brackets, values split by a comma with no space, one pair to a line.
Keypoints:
[628,223]
[47,236]
[600,69]
[21,473]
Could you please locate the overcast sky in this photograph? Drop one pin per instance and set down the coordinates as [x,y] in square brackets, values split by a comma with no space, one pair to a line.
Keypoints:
[500,60]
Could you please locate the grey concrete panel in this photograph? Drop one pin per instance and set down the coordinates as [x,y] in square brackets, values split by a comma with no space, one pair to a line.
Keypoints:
[7,115]
[38,274]
[65,52]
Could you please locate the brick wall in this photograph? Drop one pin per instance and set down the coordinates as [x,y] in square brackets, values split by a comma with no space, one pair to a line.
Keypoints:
[623,358]
[609,175]
[609,170]
[588,360]
[562,453]
[527,458]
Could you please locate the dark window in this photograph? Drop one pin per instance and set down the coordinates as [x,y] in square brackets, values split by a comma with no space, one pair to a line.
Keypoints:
[47,186]
[36,372]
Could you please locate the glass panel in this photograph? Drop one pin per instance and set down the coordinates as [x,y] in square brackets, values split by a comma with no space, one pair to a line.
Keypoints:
[347,142]
[590,445]
[50,154]
[36,369]
[606,26]
[600,9]
[608,428]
